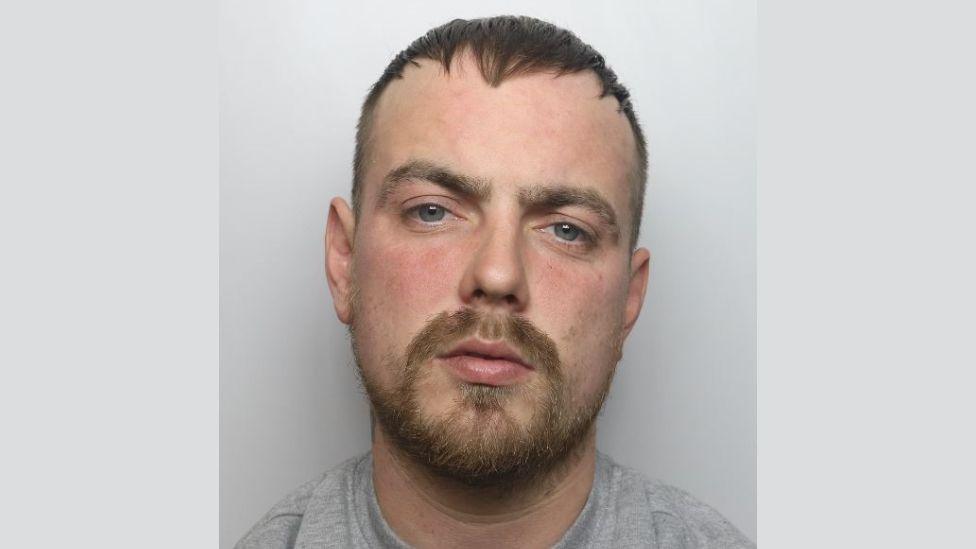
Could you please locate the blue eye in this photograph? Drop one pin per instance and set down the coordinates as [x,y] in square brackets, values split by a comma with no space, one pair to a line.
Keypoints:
[566,231]
[431,213]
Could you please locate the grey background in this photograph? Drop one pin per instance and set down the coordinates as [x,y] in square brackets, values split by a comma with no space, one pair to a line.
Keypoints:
[292,77]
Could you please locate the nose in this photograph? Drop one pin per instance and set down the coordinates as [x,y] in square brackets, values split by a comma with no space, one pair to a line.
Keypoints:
[495,275]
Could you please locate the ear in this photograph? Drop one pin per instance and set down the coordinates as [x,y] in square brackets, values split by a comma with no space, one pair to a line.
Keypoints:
[639,271]
[339,234]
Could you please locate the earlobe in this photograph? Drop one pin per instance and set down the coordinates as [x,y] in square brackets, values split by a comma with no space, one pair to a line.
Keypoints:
[339,234]
[640,264]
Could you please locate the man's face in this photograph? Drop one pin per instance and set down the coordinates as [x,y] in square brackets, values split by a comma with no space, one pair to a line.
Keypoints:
[491,280]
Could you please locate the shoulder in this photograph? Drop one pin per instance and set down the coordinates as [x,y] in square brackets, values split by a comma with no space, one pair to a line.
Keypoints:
[279,527]
[675,517]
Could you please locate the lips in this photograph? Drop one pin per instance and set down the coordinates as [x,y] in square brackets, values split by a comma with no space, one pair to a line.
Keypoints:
[487,363]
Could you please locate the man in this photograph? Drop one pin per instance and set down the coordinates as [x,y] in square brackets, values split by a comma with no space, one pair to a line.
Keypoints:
[489,275]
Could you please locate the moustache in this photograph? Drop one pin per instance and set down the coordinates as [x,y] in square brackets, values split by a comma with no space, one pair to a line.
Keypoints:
[444,330]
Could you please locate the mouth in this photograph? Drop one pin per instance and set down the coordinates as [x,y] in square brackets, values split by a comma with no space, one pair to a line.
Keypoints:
[492,363]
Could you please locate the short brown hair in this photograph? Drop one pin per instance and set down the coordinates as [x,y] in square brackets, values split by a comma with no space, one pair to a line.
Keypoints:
[506,46]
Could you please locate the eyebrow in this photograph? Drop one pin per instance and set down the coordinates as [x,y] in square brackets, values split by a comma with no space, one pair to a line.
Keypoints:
[540,197]
[471,187]
[536,197]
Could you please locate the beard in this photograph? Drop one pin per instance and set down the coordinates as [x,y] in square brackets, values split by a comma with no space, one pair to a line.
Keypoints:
[477,442]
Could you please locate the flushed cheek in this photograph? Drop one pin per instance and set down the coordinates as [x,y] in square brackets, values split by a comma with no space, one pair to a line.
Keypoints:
[402,287]
[423,279]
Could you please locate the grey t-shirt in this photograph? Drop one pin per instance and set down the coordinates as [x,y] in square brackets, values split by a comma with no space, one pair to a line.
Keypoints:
[624,509]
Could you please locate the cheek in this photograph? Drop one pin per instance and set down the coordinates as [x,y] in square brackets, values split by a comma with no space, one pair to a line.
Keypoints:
[401,287]
[421,278]
[582,308]
[577,300]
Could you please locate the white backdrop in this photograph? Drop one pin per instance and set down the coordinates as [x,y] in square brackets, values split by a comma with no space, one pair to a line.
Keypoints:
[292,77]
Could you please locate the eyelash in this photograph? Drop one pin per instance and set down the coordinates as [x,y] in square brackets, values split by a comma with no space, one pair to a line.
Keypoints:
[585,239]
[412,213]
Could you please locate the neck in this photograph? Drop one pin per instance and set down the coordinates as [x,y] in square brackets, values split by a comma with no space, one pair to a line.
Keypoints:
[426,510]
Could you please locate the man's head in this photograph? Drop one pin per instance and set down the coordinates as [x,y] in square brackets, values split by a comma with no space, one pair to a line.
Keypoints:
[487,268]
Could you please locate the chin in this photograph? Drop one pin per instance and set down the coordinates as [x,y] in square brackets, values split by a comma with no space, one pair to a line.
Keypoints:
[487,405]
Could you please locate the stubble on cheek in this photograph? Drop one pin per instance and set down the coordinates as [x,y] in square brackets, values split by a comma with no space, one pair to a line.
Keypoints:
[593,343]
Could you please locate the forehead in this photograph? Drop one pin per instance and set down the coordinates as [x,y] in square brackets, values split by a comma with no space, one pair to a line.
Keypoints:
[532,129]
